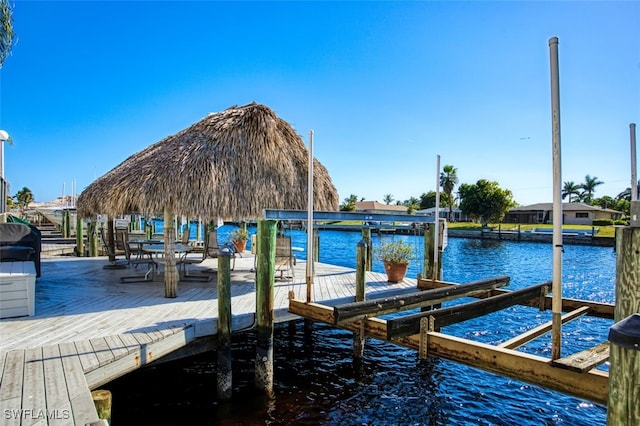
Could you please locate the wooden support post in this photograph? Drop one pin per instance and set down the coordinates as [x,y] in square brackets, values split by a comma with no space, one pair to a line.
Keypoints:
[361,260]
[265,280]
[627,272]
[366,236]
[148,229]
[429,247]
[427,264]
[170,270]
[316,245]
[66,227]
[223,366]
[102,401]
[79,237]
[111,241]
[93,238]
[624,371]
[624,377]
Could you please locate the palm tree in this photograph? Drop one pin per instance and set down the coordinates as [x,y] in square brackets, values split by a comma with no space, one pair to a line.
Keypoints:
[412,204]
[7,34]
[571,188]
[448,181]
[589,187]
[388,198]
[24,197]
[349,203]
[626,194]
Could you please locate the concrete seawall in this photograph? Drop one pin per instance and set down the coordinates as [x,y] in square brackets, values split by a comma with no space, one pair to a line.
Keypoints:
[533,237]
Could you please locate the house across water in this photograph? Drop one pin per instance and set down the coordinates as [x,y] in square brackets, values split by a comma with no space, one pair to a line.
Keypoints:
[572,214]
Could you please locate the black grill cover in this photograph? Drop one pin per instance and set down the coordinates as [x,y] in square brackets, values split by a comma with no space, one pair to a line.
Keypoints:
[15,241]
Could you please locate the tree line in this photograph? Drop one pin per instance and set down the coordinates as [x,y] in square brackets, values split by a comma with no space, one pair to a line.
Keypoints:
[486,202]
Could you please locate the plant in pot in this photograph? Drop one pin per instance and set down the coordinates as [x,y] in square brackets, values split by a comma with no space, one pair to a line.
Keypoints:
[239,239]
[395,256]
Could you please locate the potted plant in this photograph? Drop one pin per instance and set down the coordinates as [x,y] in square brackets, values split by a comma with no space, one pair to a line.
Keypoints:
[239,239]
[395,256]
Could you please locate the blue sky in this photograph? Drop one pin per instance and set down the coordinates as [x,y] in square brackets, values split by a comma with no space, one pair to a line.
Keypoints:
[386,87]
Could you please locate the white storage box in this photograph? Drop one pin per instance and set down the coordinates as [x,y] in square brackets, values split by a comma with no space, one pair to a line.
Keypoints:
[17,289]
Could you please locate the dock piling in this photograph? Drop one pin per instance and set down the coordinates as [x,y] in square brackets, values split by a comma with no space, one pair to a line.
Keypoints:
[361,263]
[223,365]
[624,386]
[265,281]
[102,400]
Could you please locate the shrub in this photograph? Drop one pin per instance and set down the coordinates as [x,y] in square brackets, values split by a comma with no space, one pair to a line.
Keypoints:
[394,251]
[602,222]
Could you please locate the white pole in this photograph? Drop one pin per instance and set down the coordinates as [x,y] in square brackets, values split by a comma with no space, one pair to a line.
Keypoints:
[556,305]
[634,204]
[310,219]
[4,137]
[634,176]
[436,264]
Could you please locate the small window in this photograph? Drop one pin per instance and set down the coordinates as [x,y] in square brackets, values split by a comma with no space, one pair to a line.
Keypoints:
[581,215]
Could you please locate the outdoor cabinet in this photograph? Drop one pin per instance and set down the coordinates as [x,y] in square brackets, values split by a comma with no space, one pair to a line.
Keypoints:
[17,289]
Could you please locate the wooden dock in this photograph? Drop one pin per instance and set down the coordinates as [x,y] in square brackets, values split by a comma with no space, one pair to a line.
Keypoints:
[89,328]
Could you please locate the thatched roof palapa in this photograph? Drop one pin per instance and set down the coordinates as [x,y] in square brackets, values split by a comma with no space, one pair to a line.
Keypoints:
[231,164]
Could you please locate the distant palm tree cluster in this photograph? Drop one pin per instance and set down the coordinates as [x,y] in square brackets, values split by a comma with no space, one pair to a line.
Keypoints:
[583,193]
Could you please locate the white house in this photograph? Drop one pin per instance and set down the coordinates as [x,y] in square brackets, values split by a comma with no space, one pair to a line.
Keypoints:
[572,214]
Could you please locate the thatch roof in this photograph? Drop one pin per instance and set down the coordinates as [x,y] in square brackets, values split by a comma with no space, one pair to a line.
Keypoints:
[231,164]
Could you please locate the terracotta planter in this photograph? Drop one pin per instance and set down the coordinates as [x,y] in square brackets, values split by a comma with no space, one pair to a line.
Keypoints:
[395,271]
[240,245]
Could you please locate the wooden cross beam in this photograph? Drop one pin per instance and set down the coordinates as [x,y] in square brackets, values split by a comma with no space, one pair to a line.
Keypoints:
[410,324]
[355,311]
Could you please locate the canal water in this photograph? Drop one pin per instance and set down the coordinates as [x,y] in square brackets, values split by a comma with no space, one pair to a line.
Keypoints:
[317,382]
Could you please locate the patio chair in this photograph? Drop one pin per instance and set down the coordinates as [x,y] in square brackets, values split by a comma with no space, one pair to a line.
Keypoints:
[185,260]
[212,249]
[285,259]
[142,259]
[112,253]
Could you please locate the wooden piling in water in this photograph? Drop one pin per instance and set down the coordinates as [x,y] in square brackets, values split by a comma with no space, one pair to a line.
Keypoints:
[79,237]
[429,247]
[102,400]
[66,227]
[170,271]
[624,371]
[265,281]
[366,236]
[361,261]
[223,365]
[93,238]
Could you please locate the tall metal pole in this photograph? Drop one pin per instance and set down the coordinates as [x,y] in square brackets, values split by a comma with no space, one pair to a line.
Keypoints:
[634,175]
[310,219]
[556,304]
[635,204]
[436,266]
[4,136]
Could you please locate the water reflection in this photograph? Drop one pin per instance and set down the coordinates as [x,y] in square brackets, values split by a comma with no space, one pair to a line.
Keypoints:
[317,381]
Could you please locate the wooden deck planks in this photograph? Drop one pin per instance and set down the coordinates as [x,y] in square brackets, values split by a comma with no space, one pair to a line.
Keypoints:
[89,328]
[11,385]
[82,407]
[586,360]
[33,386]
[58,404]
